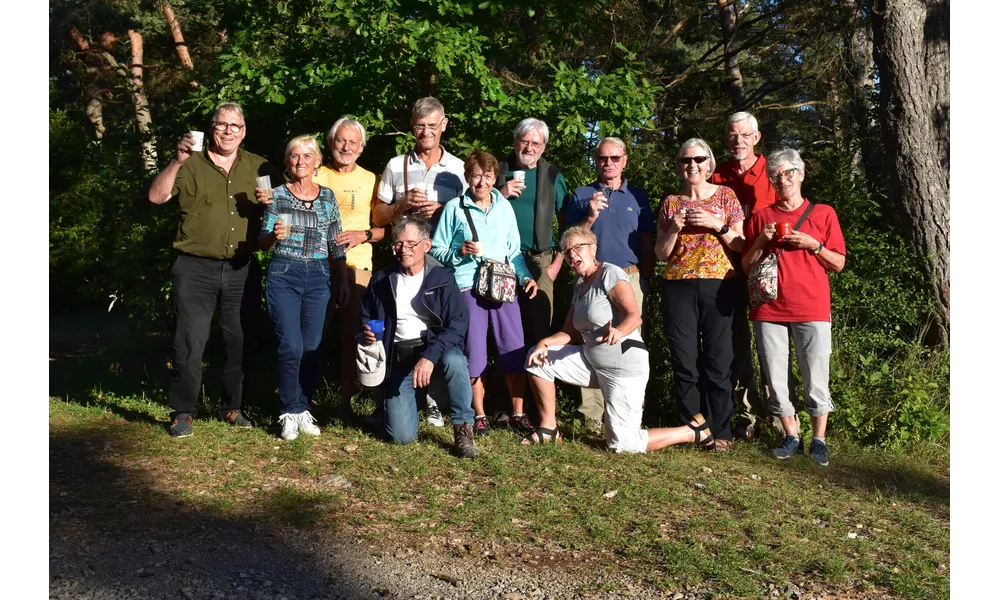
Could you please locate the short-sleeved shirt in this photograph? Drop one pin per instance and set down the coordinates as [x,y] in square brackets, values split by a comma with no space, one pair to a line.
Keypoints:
[753,188]
[698,253]
[803,283]
[219,212]
[617,227]
[524,205]
[315,224]
[446,178]
[354,192]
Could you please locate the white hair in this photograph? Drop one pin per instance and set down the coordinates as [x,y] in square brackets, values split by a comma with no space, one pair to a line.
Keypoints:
[530,124]
[426,106]
[740,117]
[614,142]
[704,146]
[349,123]
[785,156]
[228,107]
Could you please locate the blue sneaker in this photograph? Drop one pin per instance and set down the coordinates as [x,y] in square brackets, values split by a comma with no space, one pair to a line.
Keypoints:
[788,446]
[819,452]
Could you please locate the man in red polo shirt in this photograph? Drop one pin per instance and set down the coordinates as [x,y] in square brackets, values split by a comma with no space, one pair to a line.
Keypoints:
[746,173]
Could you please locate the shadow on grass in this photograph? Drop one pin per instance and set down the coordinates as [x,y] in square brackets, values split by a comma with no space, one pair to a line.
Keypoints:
[113,529]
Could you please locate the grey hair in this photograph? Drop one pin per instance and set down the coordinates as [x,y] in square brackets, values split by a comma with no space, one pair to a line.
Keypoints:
[740,117]
[704,146]
[577,232]
[530,124]
[784,156]
[350,123]
[613,141]
[228,107]
[426,106]
[423,226]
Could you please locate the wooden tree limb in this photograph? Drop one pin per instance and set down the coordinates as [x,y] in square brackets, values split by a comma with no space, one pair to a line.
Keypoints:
[142,114]
[175,31]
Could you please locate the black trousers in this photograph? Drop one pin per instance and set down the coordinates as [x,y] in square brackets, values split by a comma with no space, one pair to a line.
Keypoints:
[199,286]
[697,318]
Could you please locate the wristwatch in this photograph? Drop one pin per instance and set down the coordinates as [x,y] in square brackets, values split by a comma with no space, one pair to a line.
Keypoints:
[368,235]
[724,230]
[818,248]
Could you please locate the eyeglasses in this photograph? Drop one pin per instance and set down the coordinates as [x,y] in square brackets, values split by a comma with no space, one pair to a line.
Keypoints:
[484,176]
[398,246]
[686,160]
[577,249]
[614,158]
[786,174]
[220,126]
[732,137]
[432,127]
[529,143]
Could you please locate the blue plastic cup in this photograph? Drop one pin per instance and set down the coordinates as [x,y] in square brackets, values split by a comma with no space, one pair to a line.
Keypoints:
[378,328]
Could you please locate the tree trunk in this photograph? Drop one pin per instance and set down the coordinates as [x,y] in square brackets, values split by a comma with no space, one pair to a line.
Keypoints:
[175,31]
[734,79]
[142,115]
[916,132]
[92,92]
[860,76]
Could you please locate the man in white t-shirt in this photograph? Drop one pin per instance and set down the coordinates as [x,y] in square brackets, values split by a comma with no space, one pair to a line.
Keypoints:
[425,321]
[420,182]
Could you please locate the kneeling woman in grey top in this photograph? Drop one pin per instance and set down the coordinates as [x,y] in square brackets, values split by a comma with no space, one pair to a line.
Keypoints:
[605,319]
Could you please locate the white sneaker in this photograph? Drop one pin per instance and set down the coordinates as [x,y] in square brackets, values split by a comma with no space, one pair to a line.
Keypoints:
[434,416]
[307,423]
[289,426]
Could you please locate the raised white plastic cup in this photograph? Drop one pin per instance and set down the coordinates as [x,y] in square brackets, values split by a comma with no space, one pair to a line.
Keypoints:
[419,186]
[264,183]
[479,249]
[519,175]
[199,140]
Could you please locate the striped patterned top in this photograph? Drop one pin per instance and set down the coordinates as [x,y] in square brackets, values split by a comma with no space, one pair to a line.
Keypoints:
[315,224]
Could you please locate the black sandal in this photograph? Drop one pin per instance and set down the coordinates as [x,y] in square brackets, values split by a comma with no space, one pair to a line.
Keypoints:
[538,437]
[707,441]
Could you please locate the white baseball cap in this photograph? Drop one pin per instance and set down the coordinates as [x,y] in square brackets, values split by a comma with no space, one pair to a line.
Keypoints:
[371,364]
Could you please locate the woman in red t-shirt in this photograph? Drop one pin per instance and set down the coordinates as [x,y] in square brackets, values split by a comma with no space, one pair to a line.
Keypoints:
[802,307]
[699,229]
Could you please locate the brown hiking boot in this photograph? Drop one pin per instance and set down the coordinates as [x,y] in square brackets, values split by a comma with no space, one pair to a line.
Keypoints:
[465,446]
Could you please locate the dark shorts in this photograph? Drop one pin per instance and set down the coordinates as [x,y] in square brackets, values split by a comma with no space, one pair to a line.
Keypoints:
[505,317]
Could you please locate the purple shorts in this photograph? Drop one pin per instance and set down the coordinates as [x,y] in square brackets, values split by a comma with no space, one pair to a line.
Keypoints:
[506,320]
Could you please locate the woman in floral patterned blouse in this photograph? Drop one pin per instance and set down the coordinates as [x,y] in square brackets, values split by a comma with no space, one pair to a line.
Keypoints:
[698,231]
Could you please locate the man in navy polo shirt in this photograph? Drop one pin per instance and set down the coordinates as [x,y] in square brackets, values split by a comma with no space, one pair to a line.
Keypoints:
[619,215]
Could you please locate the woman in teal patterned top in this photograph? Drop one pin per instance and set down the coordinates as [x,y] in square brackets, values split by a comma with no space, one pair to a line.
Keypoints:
[301,225]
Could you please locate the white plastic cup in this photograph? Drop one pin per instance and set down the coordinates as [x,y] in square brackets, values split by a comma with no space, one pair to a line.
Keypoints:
[286,220]
[519,175]
[264,183]
[479,249]
[199,140]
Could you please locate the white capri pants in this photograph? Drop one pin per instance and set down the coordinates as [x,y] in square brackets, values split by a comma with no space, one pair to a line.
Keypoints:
[812,348]
[621,376]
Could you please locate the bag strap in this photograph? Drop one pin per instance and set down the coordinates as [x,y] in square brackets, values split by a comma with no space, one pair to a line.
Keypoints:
[406,170]
[798,224]
[472,225]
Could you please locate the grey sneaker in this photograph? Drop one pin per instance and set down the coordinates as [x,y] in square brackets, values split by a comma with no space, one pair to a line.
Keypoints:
[235,418]
[307,423]
[289,426]
[819,452]
[465,445]
[788,446]
[181,426]
[434,416]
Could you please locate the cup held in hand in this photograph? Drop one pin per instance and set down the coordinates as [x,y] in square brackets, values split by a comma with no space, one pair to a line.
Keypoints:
[378,329]
[784,229]
[199,140]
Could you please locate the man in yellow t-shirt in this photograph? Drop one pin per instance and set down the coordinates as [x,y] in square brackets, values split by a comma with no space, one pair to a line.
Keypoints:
[354,188]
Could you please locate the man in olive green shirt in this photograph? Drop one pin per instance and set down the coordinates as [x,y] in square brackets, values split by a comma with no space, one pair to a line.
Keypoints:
[216,237]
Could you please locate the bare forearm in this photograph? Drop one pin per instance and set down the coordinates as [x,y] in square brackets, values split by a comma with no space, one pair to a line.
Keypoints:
[163,183]
[753,254]
[733,240]
[384,214]
[831,261]
[665,243]
[266,241]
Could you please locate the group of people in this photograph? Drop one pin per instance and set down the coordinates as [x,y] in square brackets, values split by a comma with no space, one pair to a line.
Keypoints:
[450,221]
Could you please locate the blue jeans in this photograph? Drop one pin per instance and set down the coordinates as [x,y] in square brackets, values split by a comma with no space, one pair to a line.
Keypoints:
[450,380]
[297,291]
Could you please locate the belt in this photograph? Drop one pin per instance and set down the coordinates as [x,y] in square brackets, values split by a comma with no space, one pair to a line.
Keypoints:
[631,269]
[533,254]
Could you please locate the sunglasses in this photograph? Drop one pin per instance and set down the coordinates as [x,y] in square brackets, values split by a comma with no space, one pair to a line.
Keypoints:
[686,160]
